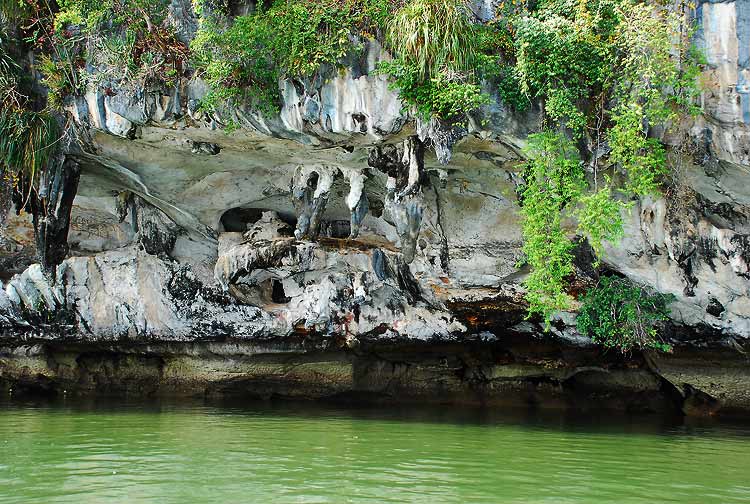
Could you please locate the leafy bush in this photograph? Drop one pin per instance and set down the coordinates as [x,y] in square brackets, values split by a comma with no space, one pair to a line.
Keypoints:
[245,59]
[620,315]
[564,56]
[94,15]
[444,97]
[642,159]
[238,62]
[599,217]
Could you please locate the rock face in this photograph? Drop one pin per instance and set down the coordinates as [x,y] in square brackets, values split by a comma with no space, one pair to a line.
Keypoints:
[342,249]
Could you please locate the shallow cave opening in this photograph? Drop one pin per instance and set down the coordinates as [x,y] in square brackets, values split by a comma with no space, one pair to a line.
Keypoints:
[312,182]
[239,220]
[277,292]
[262,292]
[337,229]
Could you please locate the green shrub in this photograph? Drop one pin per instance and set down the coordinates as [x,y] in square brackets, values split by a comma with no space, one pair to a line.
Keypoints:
[245,59]
[509,86]
[617,314]
[564,55]
[643,160]
[441,96]
[496,62]
[138,16]
[237,62]
[599,217]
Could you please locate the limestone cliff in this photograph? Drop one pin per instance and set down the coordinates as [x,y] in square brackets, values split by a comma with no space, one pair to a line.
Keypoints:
[344,248]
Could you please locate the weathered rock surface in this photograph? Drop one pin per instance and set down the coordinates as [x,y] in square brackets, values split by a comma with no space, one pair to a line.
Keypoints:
[341,248]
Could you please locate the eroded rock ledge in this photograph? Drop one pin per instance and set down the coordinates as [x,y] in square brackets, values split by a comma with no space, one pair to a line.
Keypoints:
[511,371]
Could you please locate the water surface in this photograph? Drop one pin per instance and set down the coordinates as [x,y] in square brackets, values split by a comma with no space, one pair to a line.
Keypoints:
[67,452]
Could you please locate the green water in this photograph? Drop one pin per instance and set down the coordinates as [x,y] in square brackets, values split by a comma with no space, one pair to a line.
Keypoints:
[162,453]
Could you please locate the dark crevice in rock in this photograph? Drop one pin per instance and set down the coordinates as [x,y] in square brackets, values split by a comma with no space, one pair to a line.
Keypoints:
[155,231]
[686,264]
[585,274]
[239,219]
[50,203]
[742,248]
[715,308]
[444,246]
[496,315]
[209,148]
[336,229]
[277,292]
[242,219]
[408,284]
[14,260]
[380,265]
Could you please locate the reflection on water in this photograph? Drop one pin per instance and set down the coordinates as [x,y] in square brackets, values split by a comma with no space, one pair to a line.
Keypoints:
[264,452]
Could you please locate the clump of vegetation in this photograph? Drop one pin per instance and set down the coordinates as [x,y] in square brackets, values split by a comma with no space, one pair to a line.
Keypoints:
[623,316]
[244,58]
[447,96]
[564,55]
[132,40]
[124,41]
[607,72]
[434,35]
[554,182]
[437,56]
[28,131]
[58,57]
[27,141]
